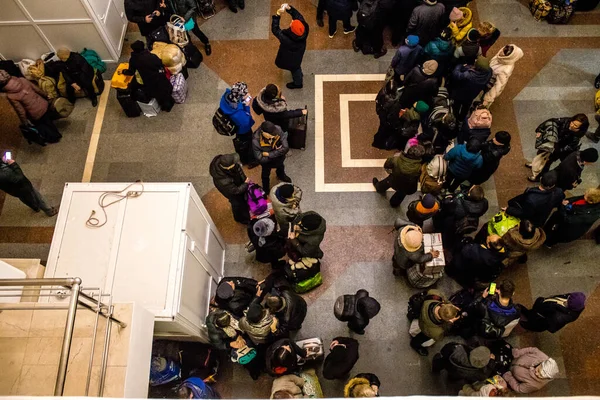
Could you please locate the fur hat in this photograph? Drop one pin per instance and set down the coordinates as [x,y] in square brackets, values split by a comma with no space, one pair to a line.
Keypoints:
[411,237]
[63,53]
[576,301]
[456,14]
[263,227]
[479,357]
[311,221]
[589,155]
[297,27]
[4,77]
[429,67]
[411,40]
[482,63]
[549,369]
[428,201]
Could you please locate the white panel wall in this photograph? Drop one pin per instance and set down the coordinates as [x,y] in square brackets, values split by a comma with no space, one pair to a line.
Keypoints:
[11,12]
[55,9]
[76,37]
[18,42]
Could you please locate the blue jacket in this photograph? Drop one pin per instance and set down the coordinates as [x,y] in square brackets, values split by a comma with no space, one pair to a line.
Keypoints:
[241,116]
[406,58]
[462,163]
[439,49]
[467,82]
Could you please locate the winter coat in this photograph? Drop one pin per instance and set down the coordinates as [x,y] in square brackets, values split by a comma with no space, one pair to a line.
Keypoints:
[481,134]
[404,173]
[491,154]
[462,26]
[291,47]
[216,335]
[275,111]
[15,183]
[430,325]
[569,172]
[502,68]
[285,212]
[277,150]
[152,71]
[460,214]
[272,364]
[341,9]
[137,10]
[406,58]
[554,136]
[78,70]
[307,243]
[518,246]
[404,258]
[535,204]
[425,22]
[439,49]
[459,366]
[553,314]
[475,262]
[230,182]
[487,42]
[360,379]
[461,162]
[341,358]
[259,332]
[184,8]
[27,99]
[364,307]
[294,311]
[239,113]
[273,247]
[290,383]
[417,217]
[418,86]
[522,378]
[387,106]
[467,53]
[243,294]
[497,321]
[468,82]
[572,221]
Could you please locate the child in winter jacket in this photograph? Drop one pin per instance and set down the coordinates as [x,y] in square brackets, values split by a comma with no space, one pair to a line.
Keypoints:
[461,21]
[462,159]
[421,210]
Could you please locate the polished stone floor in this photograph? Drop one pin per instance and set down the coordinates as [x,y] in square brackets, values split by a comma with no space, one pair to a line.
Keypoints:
[554,78]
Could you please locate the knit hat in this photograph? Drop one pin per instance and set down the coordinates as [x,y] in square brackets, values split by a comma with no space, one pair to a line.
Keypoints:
[473,35]
[297,27]
[549,369]
[239,90]
[479,357]
[411,237]
[456,14]
[286,191]
[137,46]
[227,161]
[428,201]
[262,228]
[429,67]
[224,291]
[4,77]
[64,53]
[421,107]
[411,40]
[311,221]
[268,127]
[589,155]
[482,63]
[576,301]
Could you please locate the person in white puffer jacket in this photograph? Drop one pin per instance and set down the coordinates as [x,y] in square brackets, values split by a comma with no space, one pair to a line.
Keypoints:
[502,66]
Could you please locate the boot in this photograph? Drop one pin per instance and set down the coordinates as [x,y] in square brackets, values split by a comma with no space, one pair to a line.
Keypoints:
[208,49]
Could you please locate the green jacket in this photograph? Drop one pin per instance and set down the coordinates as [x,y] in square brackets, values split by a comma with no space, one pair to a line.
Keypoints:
[430,326]
[405,173]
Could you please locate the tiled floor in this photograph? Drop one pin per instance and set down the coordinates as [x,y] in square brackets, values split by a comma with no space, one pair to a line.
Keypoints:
[554,78]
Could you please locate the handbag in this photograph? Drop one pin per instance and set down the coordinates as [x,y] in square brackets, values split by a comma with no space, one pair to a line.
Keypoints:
[160,34]
[176,30]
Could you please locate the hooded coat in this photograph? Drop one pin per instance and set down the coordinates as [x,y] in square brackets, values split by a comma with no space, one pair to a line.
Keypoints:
[439,49]
[291,47]
[229,182]
[404,173]
[387,106]
[502,68]
[477,125]
[550,314]
[406,58]
[243,294]
[272,363]
[294,311]
[341,358]
[403,257]
[571,222]
[361,308]
[27,99]
[259,332]
[535,204]
[426,21]
[360,379]
[307,243]
[518,246]
[418,86]
[522,378]
[461,162]
[239,113]
[277,151]
[468,82]
[275,110]
[475,262]
[430,325]
[459,366]
[460,214]
[491,155]
[285,212]
[290,383]
[463,25]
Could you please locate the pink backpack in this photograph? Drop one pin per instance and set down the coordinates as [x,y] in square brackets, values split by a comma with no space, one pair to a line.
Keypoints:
[257,199]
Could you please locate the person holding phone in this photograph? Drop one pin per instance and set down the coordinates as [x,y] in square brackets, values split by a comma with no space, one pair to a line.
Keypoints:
[270,145]
[14,182]
[149,15]
[292,44]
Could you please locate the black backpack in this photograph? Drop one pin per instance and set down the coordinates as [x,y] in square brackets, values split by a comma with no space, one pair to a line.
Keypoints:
[367,13]
[223,124]
[415,304]
[40,134]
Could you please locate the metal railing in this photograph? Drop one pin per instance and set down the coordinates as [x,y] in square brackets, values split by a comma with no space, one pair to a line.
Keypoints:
[78,300]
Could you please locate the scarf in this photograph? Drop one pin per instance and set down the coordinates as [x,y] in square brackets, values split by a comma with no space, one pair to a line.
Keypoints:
[271,145]
[422,210]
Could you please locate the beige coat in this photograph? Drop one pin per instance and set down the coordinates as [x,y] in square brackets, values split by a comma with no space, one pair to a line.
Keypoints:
[502,68]
[289,383]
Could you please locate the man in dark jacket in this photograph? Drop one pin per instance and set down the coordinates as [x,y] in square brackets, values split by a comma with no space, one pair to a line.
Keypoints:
[387,106]
[270,145]
[147,14]
[292,45]
[496,314]
[404,171]
[553,313]
[467,81]
[235,4]
[474,264]
[343,354]
[234,294]
[492,152]
[426,21]
[288,307]
[406,58]
[230,180]
[574,218]
[15,183]
[306,234]
[464,363]
[356,309]
[152,71]
[340,10]
[536,203]
[569,170]
[420,84]
[78,74]
[273,105]
[369,32]
[188,9]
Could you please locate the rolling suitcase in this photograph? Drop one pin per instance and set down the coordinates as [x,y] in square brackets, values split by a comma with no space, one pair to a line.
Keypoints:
[297,132]
[243,149]
[128,103]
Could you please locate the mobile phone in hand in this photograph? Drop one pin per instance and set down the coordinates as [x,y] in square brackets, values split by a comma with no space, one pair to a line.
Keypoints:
[492,289]
[8,156]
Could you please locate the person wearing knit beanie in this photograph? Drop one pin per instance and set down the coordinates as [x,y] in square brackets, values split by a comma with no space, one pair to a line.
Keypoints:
[576,301]
[570,169]
[311,222]
[297,27]
[421,107]
[411,40]
[553,313]
[307,231]
[421,210]
[430,67]
[456,15]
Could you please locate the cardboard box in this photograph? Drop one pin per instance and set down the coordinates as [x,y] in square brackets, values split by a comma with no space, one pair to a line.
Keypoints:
[433,241]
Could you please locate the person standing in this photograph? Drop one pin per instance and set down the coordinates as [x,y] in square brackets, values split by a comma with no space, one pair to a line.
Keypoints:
[14,182]
[369,32]
[531,370]
[553,313]
[467,81]
[235,4]
[568,172]
[188,10]
[502,65]
[149,15]
[406,58]
[343,354]
[271,102]
[387,106]
[422,209]
[231,181]
[426,21]
[492,152]
[475,264]
[288,307]
[461,22]
[462,159]
[307,233]
[270,146]
[285,199]
[292,44]
[340,10]
[421,83]
[235,103]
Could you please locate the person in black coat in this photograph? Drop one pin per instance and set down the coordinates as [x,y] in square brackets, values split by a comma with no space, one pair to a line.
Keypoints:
[466,82]
[231,181]
[569,170]
[343,354]
[553,313]
[573,218]
[357,310]
[152,71]
[340,10]
[78,74]
[420,84]
[188,9]
[387,106]
[369,32]
[273,105]
[292,45]
[491,152]
[475,264]
[149,15]
[289,308]
[464,363]
[536,203]
[234,294]
[268,240]
[282,357]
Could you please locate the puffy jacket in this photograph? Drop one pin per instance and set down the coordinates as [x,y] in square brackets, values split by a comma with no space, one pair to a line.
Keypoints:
[535,204]
[217,336]
[276,151]
[258,332]
[425,21]
[243,294]
[308,242]
[439,49]
[459,366]
[554,314]
[294,311]
[462,26]
[498,321]
[230,182]
[285,212]
[184,8]
[403,257]
[569,172]
[405,173]
[502,68]
[491,154]
[468,81]
[291,47]
[478,263]
[238,112]
[137,10]
[406,58]
[461,162]
[275,111]
[387,106]
[27,99]
[430,325]
[553,135]
[518,245]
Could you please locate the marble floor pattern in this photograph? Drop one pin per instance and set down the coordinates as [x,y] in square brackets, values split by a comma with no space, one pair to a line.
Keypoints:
[554,78]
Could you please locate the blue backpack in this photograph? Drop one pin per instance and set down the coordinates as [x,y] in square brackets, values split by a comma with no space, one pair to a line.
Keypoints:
[94,60]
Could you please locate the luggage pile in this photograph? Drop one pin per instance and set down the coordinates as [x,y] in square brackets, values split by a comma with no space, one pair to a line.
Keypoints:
[552,11]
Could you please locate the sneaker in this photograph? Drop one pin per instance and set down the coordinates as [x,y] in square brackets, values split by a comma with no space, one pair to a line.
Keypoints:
[332,35]
[52,212]
[528,164]
[208,49]
[94,102]
[292,85]
[352,29]
[382,53]
[533,178]
[320,22]
[285,178]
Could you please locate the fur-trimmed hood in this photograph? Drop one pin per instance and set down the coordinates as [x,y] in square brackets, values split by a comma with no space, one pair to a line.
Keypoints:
[274,106]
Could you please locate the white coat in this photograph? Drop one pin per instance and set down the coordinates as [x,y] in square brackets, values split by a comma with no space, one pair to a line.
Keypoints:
[502,68]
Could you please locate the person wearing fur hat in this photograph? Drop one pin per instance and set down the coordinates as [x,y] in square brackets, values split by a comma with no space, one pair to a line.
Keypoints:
[492,152]
[466,82]
[78,74]
[531,370]
[574,218]
[285,199]
[362,385]
[408,248]
[231,181]
[403,171]
[343,354]
[521,239]
[440,49]
[553,313]
[357,310]
[569,170]
[152,72]
[406,57]
[421,83]
[489,35]
[478,125]
[422,209]
[270,146]
[461,22]
[502,64]
[288,307]
[426,20]
[464,363]
[271,102]
[267,239]
[469,49]
[292,44]
[259,324]
[306,234]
